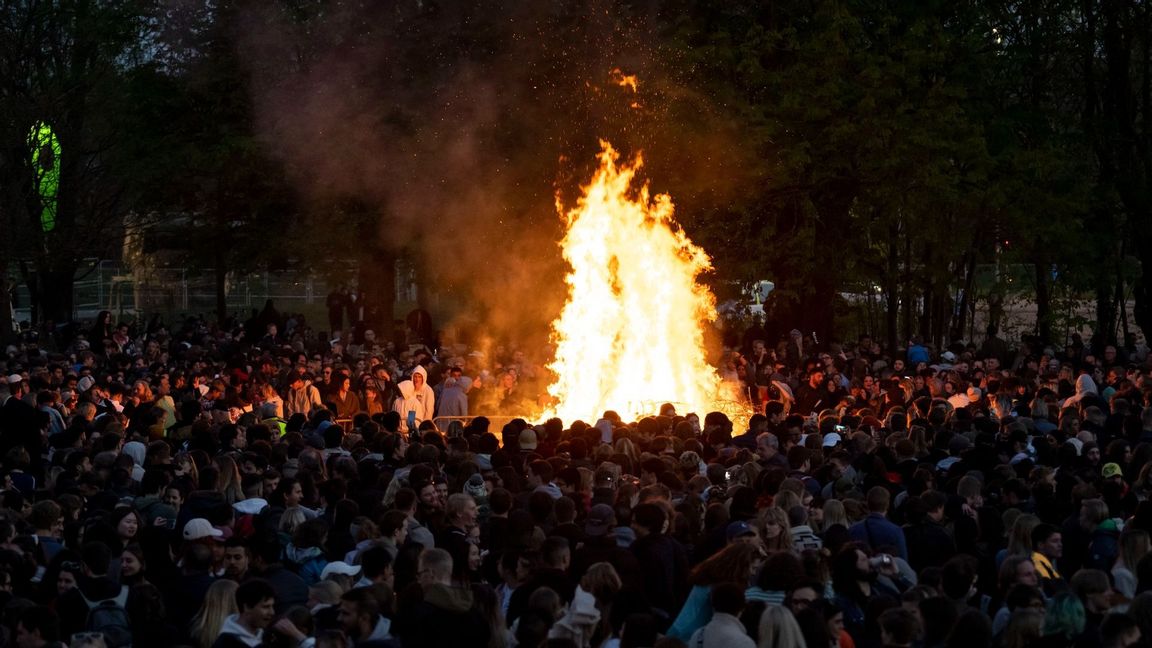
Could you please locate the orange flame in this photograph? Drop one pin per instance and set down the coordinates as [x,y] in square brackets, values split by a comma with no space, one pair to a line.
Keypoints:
[630,336]
[625,80]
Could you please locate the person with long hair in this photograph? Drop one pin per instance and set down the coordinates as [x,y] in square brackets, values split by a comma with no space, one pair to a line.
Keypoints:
[228,483]
[778,629]
[737,563]
[776,533]
[185,469]
[132,566]
[219,604]
[344,400]
[585,619]
[855,584]
[834,514]
[1134,545]
[1019,537]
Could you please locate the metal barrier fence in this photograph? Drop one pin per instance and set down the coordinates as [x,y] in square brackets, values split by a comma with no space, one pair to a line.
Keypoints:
[444,423]
[128,291]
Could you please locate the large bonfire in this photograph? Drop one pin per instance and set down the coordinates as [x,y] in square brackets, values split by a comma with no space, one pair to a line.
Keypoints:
[631,334]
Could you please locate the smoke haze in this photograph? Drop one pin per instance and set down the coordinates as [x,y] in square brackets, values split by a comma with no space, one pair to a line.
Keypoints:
[460,122]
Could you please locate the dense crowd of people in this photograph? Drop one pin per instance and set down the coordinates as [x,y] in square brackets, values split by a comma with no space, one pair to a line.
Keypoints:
[262,485]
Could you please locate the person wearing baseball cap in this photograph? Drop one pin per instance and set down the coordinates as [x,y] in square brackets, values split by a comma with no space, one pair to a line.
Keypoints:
[741,532]
[339,567]
[600,545]
[1112,471]
[199,528]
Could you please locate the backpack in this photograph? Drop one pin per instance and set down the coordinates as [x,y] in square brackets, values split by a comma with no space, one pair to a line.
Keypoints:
[110,618]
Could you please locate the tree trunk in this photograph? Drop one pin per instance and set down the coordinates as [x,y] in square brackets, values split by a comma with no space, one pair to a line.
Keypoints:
[221,277]
[1043,303]
[1105,329]
[891,292]
[1142,291]
[958,326]
[907,293]
[928,315]
[7,331]
[53,290]
[377,279]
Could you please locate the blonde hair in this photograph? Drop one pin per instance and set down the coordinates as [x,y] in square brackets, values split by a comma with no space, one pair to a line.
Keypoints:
[587,477]
[228,483]
[782,542]
[1020,535]
[219,603]
[626,448]
[778,629]
[786,499]
[601,581]
[291,518]
[148,395]
[834,514]
[363,528]
[327,592]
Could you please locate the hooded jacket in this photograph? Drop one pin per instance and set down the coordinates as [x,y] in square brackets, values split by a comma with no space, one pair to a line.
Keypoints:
[310,562]
[454,397]
[409,403]
[425,394]
[1085,388]
[152,507]
[233,633]
[579,621]
[136,450]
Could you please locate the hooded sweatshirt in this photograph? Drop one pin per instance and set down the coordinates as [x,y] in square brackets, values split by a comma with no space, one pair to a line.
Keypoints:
[425,395]
[1085,387]
[136,450]
[579,621]
[454,397]
[309,560]
[232,626]
[409,403]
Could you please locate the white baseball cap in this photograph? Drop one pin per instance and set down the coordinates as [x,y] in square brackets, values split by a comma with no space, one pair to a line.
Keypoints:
[15,378]
[198,528]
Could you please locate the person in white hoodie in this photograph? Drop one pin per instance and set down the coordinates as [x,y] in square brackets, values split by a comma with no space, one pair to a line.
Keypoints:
[1085,387]
[256,602]
[411,410]
[599,586]
[423,391]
